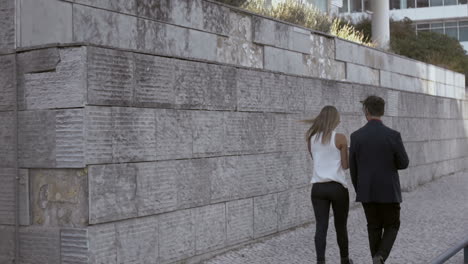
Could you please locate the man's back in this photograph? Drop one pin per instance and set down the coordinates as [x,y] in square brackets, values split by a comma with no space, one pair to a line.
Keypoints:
[376,155]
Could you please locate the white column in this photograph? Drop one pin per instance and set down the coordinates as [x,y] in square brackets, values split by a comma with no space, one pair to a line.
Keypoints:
[381,23]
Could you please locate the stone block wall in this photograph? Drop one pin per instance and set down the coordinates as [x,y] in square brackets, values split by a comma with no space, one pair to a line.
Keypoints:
[167,131]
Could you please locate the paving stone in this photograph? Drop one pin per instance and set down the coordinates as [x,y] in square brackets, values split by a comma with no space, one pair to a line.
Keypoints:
[103,27]
[112,192]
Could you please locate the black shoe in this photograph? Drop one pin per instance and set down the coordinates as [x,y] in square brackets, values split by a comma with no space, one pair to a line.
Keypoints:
[346,261]
[377,260]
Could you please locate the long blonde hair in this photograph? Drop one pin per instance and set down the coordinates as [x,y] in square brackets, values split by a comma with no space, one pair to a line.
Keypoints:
[323,124]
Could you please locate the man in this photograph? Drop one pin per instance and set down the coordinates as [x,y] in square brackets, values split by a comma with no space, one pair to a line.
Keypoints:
[376,154]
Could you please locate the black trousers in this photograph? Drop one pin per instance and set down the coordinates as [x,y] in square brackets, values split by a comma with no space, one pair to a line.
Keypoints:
[324,195]
[383,223]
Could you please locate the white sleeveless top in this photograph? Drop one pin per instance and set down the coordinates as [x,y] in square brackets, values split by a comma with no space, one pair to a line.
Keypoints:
[327,161]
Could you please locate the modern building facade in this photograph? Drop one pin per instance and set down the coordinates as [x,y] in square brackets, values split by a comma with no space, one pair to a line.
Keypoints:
[448,17]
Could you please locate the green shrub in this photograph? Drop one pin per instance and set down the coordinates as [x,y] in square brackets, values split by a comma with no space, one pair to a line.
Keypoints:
[347,31]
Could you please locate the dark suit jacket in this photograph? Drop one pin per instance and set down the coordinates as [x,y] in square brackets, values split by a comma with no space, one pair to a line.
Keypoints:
[375,156]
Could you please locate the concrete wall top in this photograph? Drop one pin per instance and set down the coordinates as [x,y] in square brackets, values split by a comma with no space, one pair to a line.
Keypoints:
[209,31]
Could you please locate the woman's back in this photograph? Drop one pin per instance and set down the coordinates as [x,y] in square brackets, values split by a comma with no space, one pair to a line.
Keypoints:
[327,160]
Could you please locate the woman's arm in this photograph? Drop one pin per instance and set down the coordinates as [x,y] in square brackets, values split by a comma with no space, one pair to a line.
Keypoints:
[342,144]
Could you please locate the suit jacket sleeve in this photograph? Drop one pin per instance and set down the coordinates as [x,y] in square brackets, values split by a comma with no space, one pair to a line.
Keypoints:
[401,158]
[352,162]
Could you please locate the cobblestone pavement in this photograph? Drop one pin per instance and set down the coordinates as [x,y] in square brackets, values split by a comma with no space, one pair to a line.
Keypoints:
[433,217]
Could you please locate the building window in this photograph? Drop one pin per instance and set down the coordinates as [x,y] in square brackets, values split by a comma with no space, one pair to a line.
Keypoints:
[463,30]
[411,3]
[462,2]
[345,7]
[422,3]
[451,29]
[356,5]
[450,2]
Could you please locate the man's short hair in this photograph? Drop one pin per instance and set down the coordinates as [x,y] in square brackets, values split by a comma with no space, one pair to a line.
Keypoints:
[374,105]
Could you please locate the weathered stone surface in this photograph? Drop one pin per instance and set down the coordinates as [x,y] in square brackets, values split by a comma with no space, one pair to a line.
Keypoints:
[7,196]
[52,78]
[240,221]
[210,227]
[208,133]
[313,91]
[240,26]
[340,95]
[39,245]
[216,18]
[7,25]
[34,125]
[123,6]
[265,215]
[7,139]
[61,197]
[177,230]
[102,241]
[99,135]
[300,40]
[112,192]
[162,38]
[134,137]
[154,81]
[174,134]
[45,22]
[157,187]
[391,104]
[137,240]
[24,197]
[7,81]
[110,77]
[7,243]
[69,138]
[188,13]
[103,27]
[272,33]
[291,62]
[278,172]
[157,10]
[74,246]
[238,51]
[361,74]
[204,86]
[193,181]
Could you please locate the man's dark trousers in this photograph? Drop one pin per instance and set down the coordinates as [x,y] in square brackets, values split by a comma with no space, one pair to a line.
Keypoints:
[375,156]
[383,222]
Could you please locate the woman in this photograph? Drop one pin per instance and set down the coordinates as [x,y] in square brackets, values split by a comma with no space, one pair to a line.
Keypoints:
[329,151]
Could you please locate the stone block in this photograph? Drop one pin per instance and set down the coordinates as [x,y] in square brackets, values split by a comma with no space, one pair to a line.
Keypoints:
[156,187]
[7,243]
[216,18]
[24,199]
[187,13]
[238,51]
[110,77]
[275,92]
[263,31]
[103,27]
[295,94]
[340,95]
[240,26]
[287,210]
[322,47]
[7,139]
[174,134]
[121,6]
[361,74]
[102,243]
[249,90]
[7,80]
[313,92]
[202,45]
[157,10]
[45,22]
[325,68]
[225,185]
[208,133]
[137,240]
[251,175]
[112,192]
[39,245]
[300,40]
[210,227]
[239,221]
[278,171]
[162,38]
[204,86]
[69,138]
[391,104]
[7,26]
[60,197]
[74,246]
[7,196]
[265,215]
[52,78]
[300,168]
[33,152]
[154,81]
[193,181]
[99,134]
[291,62]
[177,230]
[134,137]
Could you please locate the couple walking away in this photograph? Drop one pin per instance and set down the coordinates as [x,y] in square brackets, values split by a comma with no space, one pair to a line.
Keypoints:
[375,156]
